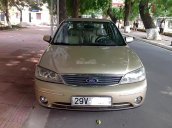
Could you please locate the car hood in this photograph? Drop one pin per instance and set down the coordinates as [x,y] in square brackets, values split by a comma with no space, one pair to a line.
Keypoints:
[90,59]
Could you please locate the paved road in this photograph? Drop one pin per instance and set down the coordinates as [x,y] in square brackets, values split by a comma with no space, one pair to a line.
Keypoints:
[156,111]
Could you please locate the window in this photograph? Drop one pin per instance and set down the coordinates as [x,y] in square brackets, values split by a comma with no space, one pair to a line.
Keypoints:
[2,17]
[170,24]
[38,16]
[17,15]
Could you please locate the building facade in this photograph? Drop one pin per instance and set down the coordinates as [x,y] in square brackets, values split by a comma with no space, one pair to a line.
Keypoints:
[29,17]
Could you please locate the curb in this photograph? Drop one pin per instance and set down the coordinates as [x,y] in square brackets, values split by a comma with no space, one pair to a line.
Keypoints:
[151,42]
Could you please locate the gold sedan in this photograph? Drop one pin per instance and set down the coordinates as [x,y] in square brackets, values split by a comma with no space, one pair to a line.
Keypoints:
[89,66]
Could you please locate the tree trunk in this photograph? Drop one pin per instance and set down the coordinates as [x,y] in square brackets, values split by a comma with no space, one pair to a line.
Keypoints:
[20,10]
[151,30]
[75,13]
[7,14]
[145,15]
[127,13]
[112,15]
[62,10]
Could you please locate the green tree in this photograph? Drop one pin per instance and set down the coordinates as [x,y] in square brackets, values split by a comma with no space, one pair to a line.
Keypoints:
[161,8]
[62,10]
[95,5]
[144,9]
[116,13]
[150,9]
[135,11]
[1,6]
[77,7]
[127,13]
[19,4]
[73,8]
[120,12]
[75,4]
[110,12]
[4,4]
[145,14]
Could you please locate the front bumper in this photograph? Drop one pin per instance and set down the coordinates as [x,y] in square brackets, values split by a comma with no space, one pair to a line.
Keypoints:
[59,95]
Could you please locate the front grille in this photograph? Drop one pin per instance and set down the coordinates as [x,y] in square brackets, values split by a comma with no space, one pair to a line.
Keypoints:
[115,106]
[91,80]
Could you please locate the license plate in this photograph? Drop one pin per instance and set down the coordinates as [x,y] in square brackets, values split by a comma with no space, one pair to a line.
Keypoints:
[91,101]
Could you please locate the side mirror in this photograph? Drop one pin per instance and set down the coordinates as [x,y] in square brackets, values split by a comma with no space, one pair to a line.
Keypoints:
[129,39]
[47,38]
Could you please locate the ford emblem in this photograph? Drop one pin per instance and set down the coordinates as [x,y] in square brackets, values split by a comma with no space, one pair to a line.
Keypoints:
[92,80]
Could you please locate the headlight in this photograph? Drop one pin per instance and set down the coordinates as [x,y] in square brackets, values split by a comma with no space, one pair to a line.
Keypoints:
[134,76]
[47,75]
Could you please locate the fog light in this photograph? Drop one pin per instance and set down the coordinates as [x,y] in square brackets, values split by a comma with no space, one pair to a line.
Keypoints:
[43,100]
[138,100]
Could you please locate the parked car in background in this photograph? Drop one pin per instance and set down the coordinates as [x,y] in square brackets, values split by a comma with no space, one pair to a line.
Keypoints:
[89,66]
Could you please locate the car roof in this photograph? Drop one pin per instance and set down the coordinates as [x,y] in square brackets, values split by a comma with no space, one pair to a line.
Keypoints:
[87,19]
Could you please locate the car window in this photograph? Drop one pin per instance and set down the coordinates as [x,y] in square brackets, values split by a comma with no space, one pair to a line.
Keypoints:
[88,33]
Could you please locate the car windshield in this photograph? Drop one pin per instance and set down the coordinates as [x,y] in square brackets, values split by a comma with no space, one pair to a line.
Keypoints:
[88,33]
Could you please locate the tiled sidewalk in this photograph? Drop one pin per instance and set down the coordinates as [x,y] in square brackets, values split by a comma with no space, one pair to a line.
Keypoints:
[16,91]
[19,52]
